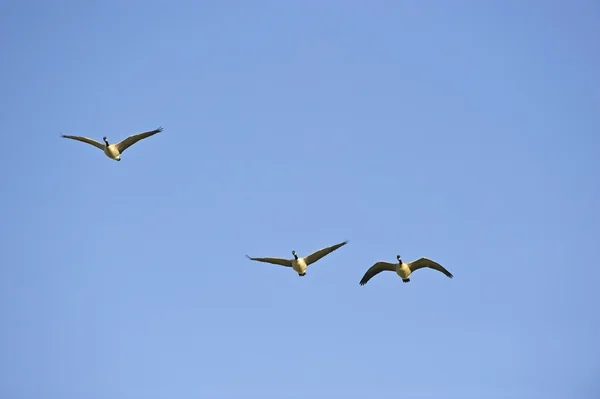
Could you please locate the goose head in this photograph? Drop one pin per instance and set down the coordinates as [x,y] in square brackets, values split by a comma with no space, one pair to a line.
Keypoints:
[399,259]
[294,253]
[105,140]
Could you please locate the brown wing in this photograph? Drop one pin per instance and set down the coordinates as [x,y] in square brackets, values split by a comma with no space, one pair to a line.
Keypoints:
[376,269]
[315,256]
[425,262]
[84,140]
[131,140]
[275,261]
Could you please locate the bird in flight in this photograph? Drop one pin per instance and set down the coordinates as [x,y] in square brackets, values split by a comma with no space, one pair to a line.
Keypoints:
[404,270]
[300,264]
[114,151]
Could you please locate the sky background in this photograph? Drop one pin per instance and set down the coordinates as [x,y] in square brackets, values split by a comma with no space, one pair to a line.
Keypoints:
[463,131]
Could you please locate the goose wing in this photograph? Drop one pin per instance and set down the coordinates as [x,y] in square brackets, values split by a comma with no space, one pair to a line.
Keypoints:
[84,140]
[425,262]
[376,269]
[131,140]
[315,256]
[275,261]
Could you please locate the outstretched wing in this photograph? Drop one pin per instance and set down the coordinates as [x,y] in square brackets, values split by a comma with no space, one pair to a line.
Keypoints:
[84,140]
[131,140]
[315,256]
[425,262]
[376,269]
[275,261]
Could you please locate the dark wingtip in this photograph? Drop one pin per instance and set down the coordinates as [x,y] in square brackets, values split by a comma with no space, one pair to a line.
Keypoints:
[248,257]
[160,129]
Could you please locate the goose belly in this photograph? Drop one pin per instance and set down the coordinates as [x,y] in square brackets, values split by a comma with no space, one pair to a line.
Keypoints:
[112,152]
[299,265]
[403,271]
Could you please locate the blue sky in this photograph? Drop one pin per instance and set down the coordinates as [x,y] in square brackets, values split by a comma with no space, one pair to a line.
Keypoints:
[463,131]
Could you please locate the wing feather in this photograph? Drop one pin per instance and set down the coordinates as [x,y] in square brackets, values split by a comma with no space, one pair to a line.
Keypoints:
[377,268]
[275,261]
[131,140]
[315,256]
[84,140]
[425,262]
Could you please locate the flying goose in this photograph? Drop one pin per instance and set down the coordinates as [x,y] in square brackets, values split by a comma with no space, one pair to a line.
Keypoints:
[114,151]
[301,264]
[403,270]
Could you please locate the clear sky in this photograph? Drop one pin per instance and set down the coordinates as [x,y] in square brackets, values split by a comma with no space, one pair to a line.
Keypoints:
[464,131]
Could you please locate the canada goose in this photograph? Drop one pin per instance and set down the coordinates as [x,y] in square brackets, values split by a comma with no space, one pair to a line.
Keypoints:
[114,151]
[403,270]
[301,264]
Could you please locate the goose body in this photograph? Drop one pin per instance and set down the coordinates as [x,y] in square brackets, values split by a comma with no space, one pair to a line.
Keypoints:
[402,269]
[114,151]
[298,264]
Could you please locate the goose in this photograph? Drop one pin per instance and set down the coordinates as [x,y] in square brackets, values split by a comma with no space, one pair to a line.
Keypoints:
[114,151]
[404,270]
[300,264]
